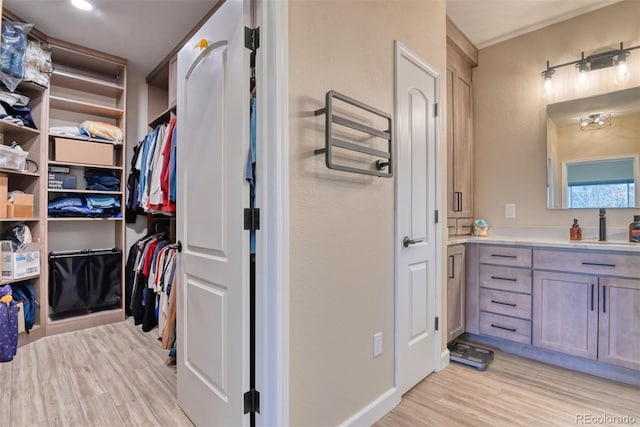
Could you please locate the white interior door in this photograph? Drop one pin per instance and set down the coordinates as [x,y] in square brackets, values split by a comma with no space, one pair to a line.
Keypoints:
[416,91]
[213,141]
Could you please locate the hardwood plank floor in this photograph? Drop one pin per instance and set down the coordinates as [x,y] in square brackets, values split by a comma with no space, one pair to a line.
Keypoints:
[112,375]
[514,391]
[116,375]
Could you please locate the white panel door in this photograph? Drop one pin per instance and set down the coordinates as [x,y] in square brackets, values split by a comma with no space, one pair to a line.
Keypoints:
[213,141]
[416,90]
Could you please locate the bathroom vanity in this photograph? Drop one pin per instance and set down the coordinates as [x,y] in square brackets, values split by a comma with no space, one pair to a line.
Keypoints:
[576,305]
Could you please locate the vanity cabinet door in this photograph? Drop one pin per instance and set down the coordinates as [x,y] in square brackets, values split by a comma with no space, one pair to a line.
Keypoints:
[565,313]
[619,329]
[456,292]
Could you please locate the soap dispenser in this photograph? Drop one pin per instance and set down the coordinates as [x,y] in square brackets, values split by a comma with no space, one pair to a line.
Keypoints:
[634,230]
[575,232]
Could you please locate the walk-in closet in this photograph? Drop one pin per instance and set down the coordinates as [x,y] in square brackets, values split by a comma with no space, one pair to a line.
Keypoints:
[106,259]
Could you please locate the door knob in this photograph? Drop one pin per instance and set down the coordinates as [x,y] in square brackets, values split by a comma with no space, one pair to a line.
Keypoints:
[406,241]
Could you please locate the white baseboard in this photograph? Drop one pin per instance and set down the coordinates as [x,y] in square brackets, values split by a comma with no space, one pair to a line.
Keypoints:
[375,410]
[444,360]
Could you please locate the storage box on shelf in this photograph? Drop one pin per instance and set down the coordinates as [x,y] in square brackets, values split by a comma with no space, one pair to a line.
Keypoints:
[85,86]
[84,152]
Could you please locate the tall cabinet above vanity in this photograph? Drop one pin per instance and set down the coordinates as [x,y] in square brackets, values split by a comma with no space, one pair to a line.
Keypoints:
[462,56]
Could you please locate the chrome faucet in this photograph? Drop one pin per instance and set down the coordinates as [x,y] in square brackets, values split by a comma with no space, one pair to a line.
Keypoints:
[602,236]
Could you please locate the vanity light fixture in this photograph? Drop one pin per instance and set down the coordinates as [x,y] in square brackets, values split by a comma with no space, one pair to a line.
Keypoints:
[597,61]
[595,121]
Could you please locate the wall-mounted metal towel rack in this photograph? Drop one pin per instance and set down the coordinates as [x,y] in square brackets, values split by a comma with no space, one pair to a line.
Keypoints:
[380,159]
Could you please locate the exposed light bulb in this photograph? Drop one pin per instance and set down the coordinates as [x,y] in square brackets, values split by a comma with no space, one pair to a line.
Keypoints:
[547,85]
[82,4]
[582,77]
[621,74]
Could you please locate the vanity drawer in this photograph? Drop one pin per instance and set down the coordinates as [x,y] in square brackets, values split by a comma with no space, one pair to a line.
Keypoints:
[507,303]
[505,255]
[505,278]
[597,263]
[508,328]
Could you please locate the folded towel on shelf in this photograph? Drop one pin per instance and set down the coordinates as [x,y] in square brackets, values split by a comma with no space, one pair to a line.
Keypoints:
[102,130]
[65,131]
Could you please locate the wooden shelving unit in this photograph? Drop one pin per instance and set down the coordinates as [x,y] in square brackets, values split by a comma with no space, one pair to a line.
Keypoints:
[86,85]
[33,141]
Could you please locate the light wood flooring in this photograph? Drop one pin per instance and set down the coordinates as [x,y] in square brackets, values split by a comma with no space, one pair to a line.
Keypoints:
[116,375]
[514,392]
[112,376]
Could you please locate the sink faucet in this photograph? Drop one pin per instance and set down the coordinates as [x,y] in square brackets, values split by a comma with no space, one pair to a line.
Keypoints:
[602,236]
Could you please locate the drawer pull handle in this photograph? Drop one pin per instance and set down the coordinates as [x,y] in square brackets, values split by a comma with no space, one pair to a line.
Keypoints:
[504,278]
[504,256]
[502,327]
[598,264]
[604,299]
[504,303]
[592,289]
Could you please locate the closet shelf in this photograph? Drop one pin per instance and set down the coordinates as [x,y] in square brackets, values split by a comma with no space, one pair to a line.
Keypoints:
[10,281]
[85,139]
[34,334]
[8,127]
[162,117]
[82,83]
[22,219]
[79,218]
[82,321]
[17,172]
[58,102]
[110,193]
[84,165]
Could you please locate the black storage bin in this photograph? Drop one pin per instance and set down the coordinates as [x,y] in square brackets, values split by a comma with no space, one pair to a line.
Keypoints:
[105,270]
[83,281]
[68,283]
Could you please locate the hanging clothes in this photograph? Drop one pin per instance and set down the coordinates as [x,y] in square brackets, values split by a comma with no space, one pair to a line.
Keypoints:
[151,181]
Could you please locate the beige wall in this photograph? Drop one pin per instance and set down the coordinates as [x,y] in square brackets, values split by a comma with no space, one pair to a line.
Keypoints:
[342,224]
[509,111]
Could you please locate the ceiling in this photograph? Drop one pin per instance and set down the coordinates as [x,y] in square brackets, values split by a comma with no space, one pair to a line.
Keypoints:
[145,31]
[486,22]
[142,31]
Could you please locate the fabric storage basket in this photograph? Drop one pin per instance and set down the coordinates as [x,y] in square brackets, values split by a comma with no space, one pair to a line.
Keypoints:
[68,274]
[81,281]
[105,269]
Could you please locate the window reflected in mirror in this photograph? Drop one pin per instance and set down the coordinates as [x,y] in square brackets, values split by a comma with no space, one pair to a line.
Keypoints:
[594,165]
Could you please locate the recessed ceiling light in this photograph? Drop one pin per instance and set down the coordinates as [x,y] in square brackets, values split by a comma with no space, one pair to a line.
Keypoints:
[82,4]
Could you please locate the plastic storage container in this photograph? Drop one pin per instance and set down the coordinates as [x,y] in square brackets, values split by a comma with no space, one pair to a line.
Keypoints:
[12,159]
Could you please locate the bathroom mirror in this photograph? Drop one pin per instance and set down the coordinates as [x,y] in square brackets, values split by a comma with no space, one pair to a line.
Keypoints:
[593,149]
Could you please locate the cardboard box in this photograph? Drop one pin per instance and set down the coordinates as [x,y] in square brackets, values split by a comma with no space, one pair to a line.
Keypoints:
[76,151]
[62,181]
[21,207]
[25,262]
[4,191]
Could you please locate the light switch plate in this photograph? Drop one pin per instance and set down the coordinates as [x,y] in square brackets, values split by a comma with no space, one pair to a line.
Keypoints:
[509,210]
[377,344]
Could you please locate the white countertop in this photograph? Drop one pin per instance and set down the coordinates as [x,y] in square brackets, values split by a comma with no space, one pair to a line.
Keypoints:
[552,237]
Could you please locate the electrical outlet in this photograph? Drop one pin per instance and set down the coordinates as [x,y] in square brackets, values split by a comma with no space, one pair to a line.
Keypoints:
[509,210]
[377,344]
